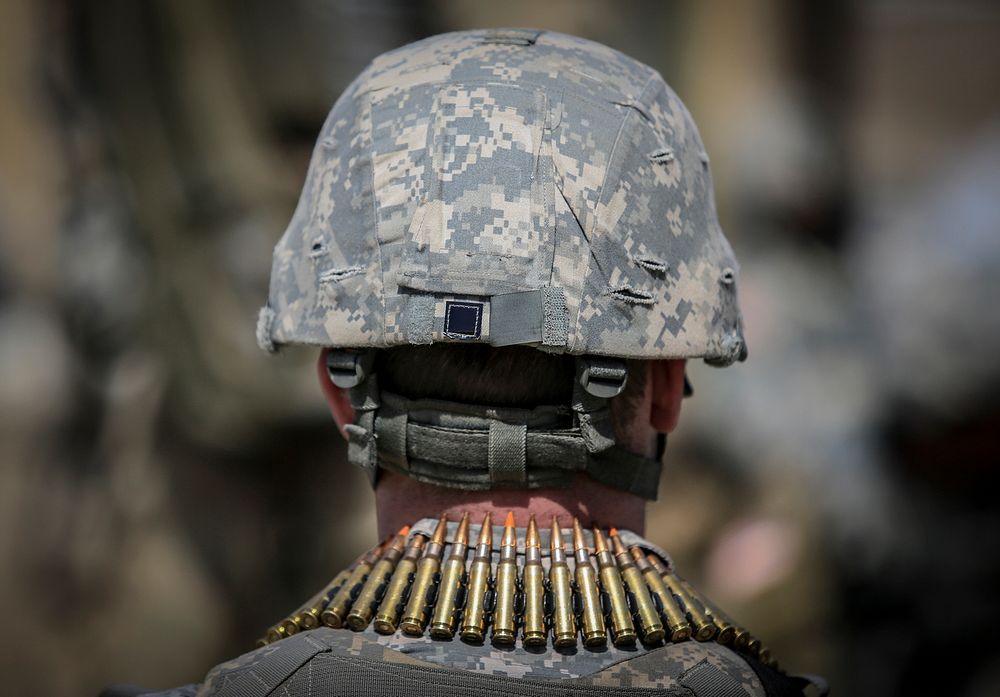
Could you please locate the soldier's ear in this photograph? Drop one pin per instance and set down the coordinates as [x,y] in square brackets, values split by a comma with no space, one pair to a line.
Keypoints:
[337,398]
[667,384]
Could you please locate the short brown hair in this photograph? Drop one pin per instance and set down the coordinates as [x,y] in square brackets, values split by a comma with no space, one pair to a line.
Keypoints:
[513,376]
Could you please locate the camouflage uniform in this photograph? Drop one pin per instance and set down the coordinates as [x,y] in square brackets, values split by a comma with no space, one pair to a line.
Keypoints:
[331,661]
[508,187]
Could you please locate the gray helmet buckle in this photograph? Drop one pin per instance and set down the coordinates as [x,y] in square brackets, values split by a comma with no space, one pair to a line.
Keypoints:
[349,369]
[603,377]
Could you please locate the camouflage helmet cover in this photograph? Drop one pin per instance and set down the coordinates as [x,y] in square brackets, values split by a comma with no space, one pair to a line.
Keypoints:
[508,187]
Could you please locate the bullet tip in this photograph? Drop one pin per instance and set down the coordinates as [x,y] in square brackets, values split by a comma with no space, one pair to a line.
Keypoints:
[532,539]
[405,530]
[441,530]
[614,532]
[509,522]
[599,543]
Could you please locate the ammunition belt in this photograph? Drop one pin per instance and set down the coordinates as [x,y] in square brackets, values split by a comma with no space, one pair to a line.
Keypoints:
[623,596]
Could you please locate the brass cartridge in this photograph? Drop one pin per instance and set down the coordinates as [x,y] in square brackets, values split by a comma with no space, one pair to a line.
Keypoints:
[563,622]
[474,617]
[622,627]
[677,624]
[364,605]
[452,575]
[415,614]
[389,608]
[336,612]
[309,617]
[503,613]
[592,614]
[703,628]
[765,657]
[534,588]
[650,626]
[274,634]
[727,631]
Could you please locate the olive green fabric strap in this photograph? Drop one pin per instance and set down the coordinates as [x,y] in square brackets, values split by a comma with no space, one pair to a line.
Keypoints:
[706,680]
[361,448]
[476,448]
[507,453]
[620,469]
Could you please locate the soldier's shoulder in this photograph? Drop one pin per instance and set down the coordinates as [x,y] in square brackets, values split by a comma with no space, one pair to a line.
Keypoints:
[327,661]
[697,669]
[322,656]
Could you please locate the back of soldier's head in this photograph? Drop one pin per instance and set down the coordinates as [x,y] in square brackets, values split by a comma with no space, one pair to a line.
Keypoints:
[493,223]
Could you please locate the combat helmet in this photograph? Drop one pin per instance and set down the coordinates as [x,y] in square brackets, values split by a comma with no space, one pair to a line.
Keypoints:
[507,187]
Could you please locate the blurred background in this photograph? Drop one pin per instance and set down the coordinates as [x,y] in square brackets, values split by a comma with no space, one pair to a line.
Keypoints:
[167,491]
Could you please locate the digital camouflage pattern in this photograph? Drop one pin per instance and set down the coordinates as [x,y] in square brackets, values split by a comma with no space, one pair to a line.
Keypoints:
[554,183]
[332,662]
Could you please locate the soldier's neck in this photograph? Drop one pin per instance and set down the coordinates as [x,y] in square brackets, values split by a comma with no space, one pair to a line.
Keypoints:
[401,501]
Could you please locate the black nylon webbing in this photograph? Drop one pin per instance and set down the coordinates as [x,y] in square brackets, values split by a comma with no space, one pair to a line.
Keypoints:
[780,685]
[274,668]
[705,680]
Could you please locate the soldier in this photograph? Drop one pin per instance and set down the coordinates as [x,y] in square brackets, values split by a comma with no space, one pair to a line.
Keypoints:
[506,249]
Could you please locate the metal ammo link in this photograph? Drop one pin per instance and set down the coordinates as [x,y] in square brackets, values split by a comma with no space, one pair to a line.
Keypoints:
[400,580]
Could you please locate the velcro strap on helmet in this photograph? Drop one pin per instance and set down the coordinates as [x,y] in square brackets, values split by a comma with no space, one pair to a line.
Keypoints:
[477,447]
[469,447]
[537,317]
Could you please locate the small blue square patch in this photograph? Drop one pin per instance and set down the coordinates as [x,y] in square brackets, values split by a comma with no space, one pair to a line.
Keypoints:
[463,320]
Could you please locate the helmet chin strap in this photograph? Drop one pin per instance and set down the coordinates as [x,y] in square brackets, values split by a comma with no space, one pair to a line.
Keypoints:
[480,447]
